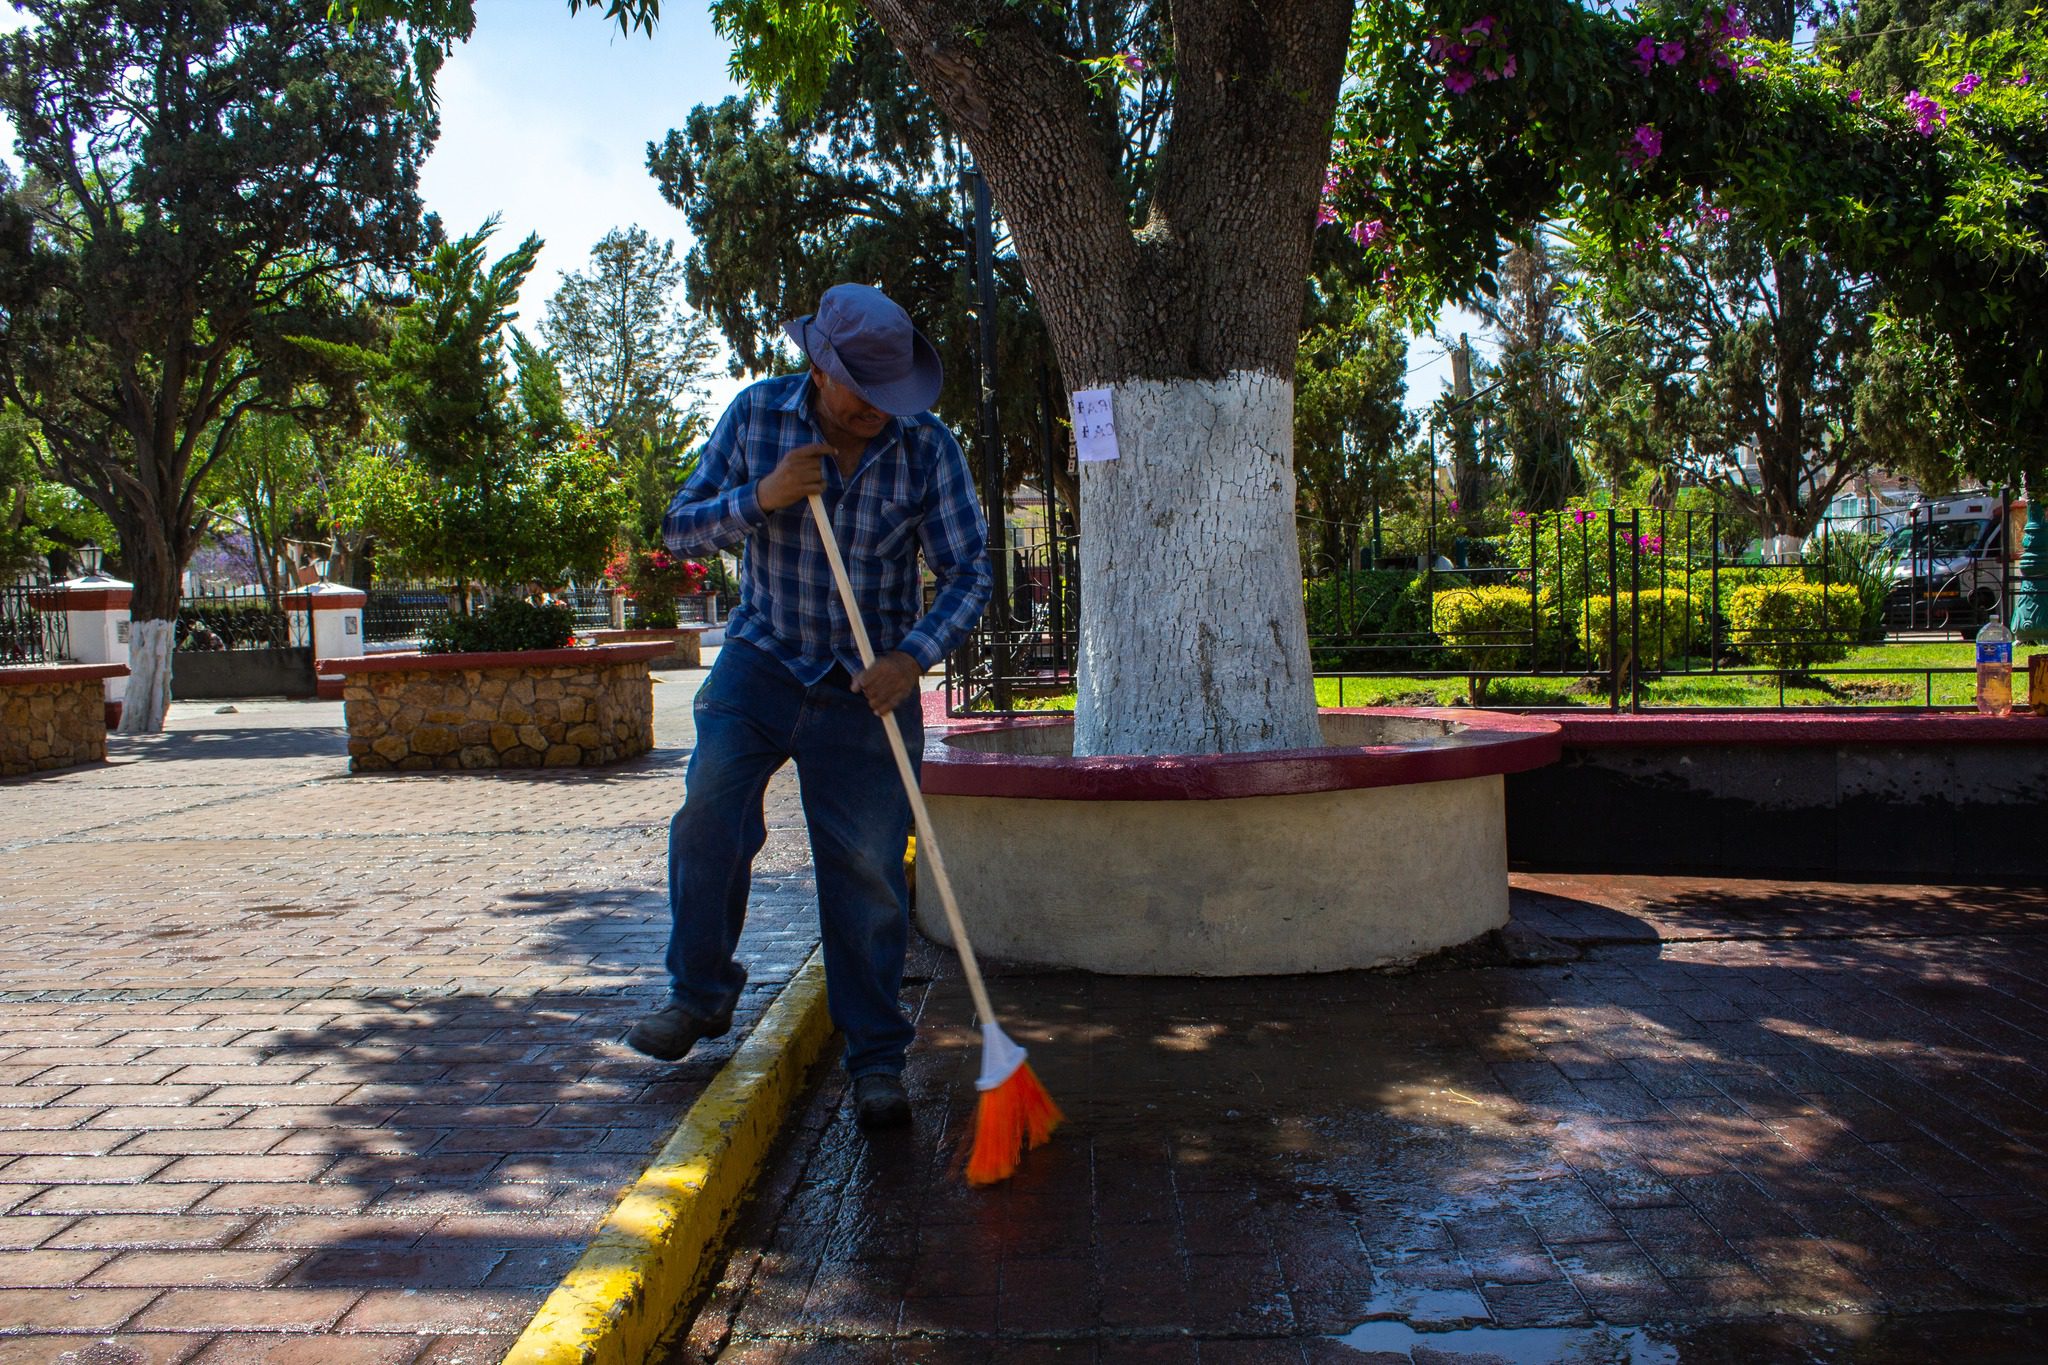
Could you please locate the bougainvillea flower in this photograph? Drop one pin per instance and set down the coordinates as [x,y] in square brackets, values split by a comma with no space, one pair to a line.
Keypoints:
[1325,215]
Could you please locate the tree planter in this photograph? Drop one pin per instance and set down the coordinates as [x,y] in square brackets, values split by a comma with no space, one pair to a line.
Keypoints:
[53,716]
[543,708]
[685,644]
[1383,846]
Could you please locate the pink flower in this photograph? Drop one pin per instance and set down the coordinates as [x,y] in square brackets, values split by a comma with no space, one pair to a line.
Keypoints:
[1928,115]
[1131,61]
[1325,215]
[1365,234]
[1646,55]
[1458,82]
[1855,97]
[2023,78]
[1710,213]
[1454,504]
[1671,53]
[1507,68]
[1582,516]
[1482,26]
[1968,83]
[1644,145]
[1732,24]
[1710,84]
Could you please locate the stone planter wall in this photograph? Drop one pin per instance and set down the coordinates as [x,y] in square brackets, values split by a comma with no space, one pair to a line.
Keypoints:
[685,648]
[53,716]
[555,708]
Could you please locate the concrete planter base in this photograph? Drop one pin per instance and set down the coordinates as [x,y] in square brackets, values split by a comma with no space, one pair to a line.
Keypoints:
[1381,848]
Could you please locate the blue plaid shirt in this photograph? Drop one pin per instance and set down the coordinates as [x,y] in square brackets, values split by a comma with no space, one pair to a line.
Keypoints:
[910,492]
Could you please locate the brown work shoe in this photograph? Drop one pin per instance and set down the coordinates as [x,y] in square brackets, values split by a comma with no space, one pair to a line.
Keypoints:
[670,1032]
[879,1101]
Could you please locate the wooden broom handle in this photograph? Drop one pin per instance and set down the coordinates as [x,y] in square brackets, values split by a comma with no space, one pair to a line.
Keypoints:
[927,846]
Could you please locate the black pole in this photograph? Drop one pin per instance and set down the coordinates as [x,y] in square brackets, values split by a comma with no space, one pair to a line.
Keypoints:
[1056,578]
[991,441]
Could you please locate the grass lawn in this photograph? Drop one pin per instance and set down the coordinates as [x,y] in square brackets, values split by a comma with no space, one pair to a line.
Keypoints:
[1841,686]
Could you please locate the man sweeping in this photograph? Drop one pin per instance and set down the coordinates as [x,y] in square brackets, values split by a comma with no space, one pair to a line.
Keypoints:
[788,684]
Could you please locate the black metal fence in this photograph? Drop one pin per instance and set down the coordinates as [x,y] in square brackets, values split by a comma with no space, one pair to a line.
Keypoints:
[1635,609]
[396,612]
[221,622]
[28,634]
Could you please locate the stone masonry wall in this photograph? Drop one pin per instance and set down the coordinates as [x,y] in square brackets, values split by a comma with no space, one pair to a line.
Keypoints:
[54,724]
[510,717]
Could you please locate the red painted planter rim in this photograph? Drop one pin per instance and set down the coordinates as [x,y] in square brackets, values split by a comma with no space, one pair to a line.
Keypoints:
[410,661]
[632,634]
[1792,728]
[27,675]
[1489,743]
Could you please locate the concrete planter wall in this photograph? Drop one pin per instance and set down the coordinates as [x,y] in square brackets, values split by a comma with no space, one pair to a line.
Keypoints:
[53,716]
[1932,796]
[685,644]
[548,708]
[1378,849]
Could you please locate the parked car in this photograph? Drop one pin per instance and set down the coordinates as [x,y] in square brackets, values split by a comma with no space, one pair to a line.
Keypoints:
[1952,560]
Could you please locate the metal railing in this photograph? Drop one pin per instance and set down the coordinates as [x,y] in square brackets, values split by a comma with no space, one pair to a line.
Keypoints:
[1628,609]
[28,634]
[397,612]
[216,622]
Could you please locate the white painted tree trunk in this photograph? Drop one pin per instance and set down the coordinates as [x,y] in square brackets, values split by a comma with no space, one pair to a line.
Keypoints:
[1193,638]
[149,677]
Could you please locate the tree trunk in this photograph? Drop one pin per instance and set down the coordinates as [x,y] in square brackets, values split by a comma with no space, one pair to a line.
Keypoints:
[152,630]
[1193,634]
[1204,485]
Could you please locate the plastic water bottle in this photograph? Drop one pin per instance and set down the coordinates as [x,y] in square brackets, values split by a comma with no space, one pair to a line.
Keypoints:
[1994,669]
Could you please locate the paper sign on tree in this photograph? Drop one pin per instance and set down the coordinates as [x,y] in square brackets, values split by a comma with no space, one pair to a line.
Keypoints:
[1094,425]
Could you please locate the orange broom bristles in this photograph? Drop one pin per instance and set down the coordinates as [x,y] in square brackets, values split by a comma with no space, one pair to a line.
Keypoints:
[1016,1114]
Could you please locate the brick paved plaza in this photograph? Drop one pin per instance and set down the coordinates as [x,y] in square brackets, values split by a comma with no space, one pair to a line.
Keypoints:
[1750,1122]
[297,1065]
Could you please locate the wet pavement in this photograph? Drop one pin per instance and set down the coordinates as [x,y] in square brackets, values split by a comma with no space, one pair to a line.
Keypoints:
[1739,1121]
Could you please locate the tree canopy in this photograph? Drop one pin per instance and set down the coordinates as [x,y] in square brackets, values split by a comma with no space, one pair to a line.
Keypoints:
[1464,127]
[494,486]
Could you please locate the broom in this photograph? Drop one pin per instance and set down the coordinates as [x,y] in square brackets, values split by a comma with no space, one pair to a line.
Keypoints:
[1014,1108]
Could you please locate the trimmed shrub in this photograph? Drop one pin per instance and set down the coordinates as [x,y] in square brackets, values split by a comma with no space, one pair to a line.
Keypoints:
[1490,628]
[1668,624]
[506,625]
[1365,619]
[1794,624]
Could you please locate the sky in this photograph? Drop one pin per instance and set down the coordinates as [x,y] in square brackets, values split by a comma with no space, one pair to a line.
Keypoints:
[545,121]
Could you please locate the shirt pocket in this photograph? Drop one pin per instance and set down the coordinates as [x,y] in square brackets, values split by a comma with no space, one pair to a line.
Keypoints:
[895,524]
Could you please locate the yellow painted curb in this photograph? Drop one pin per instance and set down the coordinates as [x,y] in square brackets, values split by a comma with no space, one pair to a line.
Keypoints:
[654,1247]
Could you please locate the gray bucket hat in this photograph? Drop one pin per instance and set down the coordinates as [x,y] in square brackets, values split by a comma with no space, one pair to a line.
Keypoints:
[864,340]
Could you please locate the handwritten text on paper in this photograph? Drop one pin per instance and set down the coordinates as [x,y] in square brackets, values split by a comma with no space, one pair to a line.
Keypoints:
[1094,426]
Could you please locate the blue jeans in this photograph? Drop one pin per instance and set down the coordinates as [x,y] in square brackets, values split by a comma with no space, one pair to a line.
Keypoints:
[752,716]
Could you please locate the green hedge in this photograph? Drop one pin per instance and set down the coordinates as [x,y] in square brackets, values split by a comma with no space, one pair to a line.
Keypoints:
[1666,622]
[506,625]
[1489,628]
[1793,624]
[1370,618]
